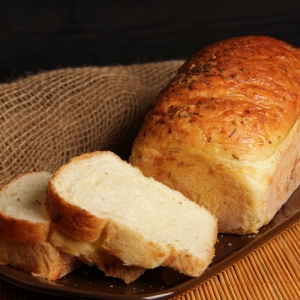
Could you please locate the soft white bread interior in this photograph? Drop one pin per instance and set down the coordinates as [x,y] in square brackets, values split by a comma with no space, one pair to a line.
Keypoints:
[23,216]
[225,132]
[99,198]
[24,229]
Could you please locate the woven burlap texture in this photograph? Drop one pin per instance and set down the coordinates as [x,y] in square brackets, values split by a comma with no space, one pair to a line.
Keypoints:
[52,116]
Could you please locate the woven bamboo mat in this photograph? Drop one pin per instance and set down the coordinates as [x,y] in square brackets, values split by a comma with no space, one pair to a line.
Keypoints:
[272,271]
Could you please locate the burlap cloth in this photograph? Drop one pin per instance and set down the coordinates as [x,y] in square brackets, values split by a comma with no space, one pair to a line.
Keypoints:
[50,117]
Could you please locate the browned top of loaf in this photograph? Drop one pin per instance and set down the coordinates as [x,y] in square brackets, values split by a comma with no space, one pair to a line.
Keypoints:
[238,98]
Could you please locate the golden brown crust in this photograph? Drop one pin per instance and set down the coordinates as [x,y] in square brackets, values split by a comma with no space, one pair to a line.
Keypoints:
[228,112]
[237,98]
[39,259]
[23,230]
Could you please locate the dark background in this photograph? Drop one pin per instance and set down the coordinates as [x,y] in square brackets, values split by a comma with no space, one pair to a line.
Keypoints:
[44,35]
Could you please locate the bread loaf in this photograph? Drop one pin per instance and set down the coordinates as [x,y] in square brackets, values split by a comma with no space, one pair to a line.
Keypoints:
[24,229]
[99,199]
[225,131]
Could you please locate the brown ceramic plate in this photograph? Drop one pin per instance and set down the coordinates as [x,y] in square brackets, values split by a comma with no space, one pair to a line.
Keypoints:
[161,283]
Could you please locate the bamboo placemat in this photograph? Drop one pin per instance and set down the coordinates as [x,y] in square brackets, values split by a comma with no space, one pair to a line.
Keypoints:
[272,271]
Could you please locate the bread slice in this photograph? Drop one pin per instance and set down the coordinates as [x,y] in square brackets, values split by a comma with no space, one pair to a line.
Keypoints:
[40,259]
[24,229]
[23,216]
[93,254]
[97,197]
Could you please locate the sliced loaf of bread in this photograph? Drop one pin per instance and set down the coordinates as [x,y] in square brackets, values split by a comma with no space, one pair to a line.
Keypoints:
[30,242]
[24,229]
[97,197]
